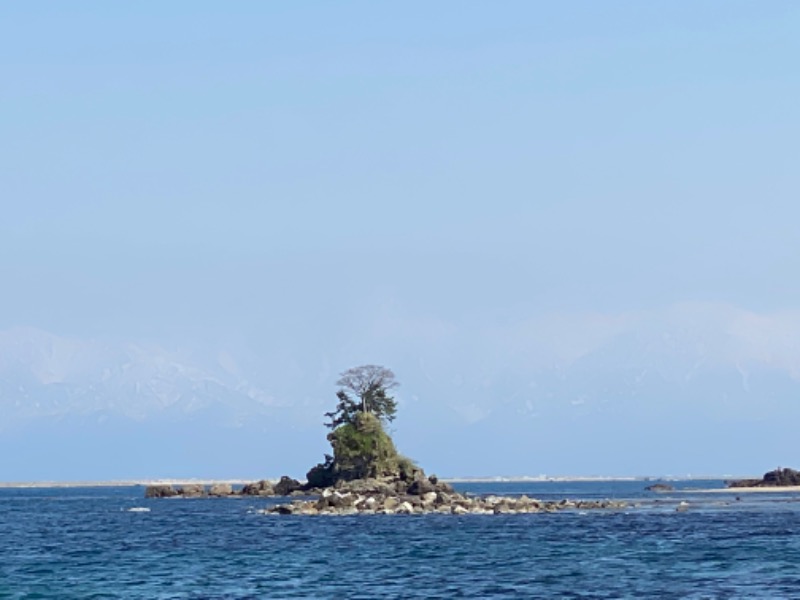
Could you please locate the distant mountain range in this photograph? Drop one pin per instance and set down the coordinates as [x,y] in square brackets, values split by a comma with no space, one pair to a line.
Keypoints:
[76,409]
[46,376]
[687,390]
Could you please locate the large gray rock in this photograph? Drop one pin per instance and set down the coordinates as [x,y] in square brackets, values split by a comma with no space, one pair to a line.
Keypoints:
[160,491]
[405,508]
[429,498]
[776,478]
[420,487]
[342,500]
[286,486]
[442,486]
[366,486]
[259,488]
[423,485]
[221,489]
[192,490]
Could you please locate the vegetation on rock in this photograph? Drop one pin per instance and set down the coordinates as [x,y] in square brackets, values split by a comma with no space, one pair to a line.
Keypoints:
[361,447]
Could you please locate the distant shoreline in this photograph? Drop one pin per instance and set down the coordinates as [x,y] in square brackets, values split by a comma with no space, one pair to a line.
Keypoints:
[123,483]
[749,490]
[520,479]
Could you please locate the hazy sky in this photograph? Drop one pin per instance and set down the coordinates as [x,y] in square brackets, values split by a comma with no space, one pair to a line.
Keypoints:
[189,164]
[273,172]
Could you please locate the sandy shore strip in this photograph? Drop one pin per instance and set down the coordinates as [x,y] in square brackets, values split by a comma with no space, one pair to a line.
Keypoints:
[123,483]
[745,490]
[179,482]
[456,480]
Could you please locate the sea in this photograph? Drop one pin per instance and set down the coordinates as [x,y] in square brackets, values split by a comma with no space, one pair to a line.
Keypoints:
[111,542]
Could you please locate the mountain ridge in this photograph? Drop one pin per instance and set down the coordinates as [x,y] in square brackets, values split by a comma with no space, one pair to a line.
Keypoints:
[675,376]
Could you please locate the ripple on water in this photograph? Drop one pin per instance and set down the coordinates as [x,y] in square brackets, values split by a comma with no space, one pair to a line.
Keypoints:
[90,544]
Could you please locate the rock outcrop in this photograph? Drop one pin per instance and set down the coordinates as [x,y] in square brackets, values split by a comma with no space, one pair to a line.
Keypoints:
[776,478]
[259,488]
[160,491]
[361,450]
[286,486]
[193,490]
[366,475]
[221,489]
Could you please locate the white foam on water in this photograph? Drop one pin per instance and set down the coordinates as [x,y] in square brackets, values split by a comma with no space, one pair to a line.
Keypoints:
[139,509]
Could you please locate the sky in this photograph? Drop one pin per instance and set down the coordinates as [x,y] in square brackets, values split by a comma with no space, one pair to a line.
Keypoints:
[284,177]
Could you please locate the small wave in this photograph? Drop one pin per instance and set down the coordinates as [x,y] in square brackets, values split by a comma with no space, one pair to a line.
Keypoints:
[139,509]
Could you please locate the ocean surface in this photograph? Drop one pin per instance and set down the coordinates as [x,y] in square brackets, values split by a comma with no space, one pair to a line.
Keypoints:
[89,543]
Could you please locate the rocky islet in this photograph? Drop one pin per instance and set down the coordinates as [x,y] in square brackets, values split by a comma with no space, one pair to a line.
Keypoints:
[365,474]
[379,496]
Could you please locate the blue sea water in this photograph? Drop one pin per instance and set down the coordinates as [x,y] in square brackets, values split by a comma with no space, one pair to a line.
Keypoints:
[86,543]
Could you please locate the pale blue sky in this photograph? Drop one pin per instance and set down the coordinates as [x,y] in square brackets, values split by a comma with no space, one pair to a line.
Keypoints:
[595,155]
[269,173]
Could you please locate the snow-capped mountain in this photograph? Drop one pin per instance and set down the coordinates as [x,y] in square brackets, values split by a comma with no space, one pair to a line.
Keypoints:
[692,388]
[44,375]
[91,409]
[688,389]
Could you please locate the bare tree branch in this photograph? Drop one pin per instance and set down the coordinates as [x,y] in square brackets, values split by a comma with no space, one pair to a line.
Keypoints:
[364,389]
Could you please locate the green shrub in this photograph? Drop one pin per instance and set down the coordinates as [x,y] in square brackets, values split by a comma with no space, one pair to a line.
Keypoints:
[362,449]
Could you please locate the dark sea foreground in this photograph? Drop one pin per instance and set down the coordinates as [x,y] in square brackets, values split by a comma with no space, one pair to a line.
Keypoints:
[87,543]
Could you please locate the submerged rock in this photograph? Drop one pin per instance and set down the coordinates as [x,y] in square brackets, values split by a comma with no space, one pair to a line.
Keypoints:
[659,487]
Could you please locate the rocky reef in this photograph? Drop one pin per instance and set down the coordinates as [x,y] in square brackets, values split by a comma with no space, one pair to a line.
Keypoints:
[418,494]
[423,495]
[285,487]
[776,478]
